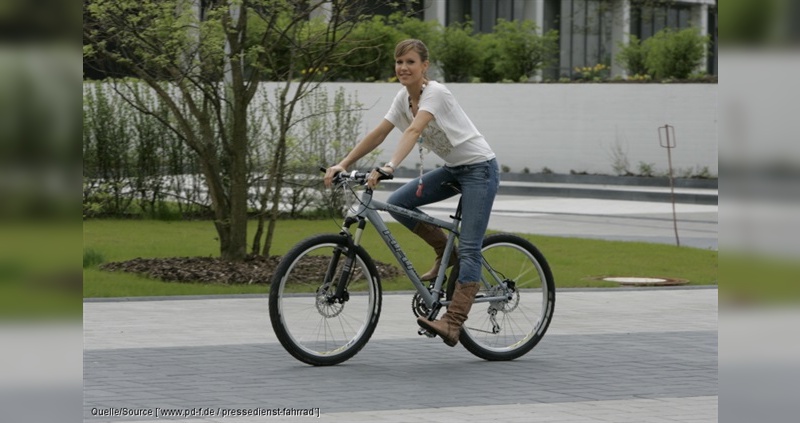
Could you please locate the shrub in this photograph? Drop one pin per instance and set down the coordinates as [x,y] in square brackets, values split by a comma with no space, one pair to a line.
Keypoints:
[369,51]
[428,32]
[633,56]
[521,50]
[675,54]
[646,169]
[458,53]
[669,54]
[486,70]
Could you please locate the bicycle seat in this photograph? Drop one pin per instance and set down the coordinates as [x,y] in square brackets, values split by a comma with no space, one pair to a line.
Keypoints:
[455,186]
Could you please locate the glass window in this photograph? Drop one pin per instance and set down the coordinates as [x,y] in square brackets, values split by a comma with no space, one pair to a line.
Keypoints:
[505,9]
[659,18]
[585,34]
[457,11]
[646,22]
[636,22]
[672,18]
[488,16]
[484,13]
[684,16]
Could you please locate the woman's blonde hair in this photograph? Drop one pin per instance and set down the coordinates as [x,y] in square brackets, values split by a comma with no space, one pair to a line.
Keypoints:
[405,46]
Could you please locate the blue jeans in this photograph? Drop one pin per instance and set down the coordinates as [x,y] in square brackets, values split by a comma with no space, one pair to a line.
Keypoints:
[479,183]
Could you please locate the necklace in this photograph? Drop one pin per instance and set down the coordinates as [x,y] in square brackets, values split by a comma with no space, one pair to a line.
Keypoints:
[419,142]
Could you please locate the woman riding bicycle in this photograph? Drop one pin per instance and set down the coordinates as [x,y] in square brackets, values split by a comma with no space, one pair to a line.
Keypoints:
[430,116]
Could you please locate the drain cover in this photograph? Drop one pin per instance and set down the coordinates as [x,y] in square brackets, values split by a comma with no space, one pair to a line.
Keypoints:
[639,281]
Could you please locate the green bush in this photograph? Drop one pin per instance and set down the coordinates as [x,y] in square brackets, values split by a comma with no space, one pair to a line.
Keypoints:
[633,56]
[675,54]
[428,32]
[369,51]
[489,46]
[458,53]
[669,54]
[522,51]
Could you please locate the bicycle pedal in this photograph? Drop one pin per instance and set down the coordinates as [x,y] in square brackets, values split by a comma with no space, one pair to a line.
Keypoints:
[424,332]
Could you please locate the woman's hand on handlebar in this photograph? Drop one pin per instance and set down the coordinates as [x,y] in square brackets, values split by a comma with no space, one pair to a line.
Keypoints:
[331,172]
[374,176]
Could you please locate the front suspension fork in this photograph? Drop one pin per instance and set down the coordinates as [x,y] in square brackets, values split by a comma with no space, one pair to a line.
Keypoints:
[341,295]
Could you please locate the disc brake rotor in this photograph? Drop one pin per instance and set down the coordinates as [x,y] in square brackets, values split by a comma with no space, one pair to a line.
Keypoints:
[327,308]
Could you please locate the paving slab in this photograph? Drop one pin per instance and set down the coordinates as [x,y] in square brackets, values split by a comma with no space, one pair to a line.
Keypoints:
[645,355]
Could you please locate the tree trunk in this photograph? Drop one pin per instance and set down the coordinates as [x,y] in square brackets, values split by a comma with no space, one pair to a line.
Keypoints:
[276,176]
[238,141]
[262,211]
[279,160]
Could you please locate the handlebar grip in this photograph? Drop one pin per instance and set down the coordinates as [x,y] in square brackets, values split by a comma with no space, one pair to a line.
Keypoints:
[384,176]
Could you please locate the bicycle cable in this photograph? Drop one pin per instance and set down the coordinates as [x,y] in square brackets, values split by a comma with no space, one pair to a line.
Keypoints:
[346,186]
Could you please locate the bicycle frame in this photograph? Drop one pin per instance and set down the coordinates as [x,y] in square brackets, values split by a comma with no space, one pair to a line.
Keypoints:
[368,209]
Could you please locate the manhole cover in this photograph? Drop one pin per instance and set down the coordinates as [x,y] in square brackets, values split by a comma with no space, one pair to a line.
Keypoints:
[640,281]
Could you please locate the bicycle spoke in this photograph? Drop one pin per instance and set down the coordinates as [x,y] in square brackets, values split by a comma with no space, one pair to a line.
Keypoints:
[519,321]
[318,327]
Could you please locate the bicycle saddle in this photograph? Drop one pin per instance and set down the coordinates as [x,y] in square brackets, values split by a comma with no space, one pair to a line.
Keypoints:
[455,186]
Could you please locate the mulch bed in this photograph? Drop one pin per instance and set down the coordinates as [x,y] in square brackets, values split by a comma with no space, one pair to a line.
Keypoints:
[253,270]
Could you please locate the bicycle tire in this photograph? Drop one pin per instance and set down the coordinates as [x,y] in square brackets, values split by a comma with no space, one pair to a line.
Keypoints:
[522,321]
[300,311]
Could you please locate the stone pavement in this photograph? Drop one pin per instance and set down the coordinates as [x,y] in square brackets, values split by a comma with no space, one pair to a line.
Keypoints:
[610,355]
[622,355]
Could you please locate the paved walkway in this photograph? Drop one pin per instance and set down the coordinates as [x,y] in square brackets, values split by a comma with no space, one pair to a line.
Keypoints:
[619,220]
[635,355]
[641,355]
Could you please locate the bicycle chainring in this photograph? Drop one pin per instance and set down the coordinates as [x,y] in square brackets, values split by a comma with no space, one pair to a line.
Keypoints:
[418,306]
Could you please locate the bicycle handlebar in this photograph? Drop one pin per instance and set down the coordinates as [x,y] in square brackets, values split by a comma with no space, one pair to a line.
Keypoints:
[359,177]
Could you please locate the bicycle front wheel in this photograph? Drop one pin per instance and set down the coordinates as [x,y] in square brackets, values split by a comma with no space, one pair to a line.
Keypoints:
[314,323]
[507,329]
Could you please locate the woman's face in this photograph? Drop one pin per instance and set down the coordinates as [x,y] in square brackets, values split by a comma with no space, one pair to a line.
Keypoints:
[410,69]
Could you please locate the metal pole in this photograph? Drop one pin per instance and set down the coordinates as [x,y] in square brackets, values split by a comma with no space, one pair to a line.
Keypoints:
[669,145]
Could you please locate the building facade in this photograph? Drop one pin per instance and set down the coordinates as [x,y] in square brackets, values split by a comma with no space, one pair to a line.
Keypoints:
[590,31]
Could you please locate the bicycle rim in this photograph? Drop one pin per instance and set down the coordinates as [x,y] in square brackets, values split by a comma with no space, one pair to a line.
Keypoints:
[505,330]
[313,328]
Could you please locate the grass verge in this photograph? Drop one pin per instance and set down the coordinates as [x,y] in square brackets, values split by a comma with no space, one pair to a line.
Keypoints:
[575,262]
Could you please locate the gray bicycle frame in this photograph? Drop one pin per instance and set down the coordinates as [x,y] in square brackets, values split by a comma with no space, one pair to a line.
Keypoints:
[368,208]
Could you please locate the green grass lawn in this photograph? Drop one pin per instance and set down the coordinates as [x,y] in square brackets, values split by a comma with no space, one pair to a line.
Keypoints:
[575,262]
[38,277]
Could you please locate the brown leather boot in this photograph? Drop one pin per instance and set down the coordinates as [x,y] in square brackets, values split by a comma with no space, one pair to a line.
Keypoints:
[449,326]
[436,238]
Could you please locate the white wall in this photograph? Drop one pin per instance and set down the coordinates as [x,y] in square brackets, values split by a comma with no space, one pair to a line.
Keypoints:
[573,127]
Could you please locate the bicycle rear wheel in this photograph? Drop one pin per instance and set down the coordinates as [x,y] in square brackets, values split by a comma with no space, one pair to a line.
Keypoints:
[508,329]
[311,322]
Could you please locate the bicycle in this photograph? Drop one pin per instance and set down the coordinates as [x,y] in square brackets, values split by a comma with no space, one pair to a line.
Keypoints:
[325,295]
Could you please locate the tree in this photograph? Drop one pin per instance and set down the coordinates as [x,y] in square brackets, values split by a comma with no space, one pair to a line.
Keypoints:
[204,59]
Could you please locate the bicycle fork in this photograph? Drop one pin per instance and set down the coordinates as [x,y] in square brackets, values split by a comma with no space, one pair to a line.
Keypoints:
[345,276]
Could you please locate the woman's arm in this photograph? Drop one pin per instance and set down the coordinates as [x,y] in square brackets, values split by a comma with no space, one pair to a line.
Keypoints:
[373,139]
[407,141]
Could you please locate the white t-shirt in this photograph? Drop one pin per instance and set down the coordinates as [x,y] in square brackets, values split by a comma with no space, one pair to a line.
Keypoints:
[451,134]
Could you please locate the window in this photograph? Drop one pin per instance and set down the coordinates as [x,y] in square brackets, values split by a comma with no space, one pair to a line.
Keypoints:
[585,34]
[647,19]
[483,13]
